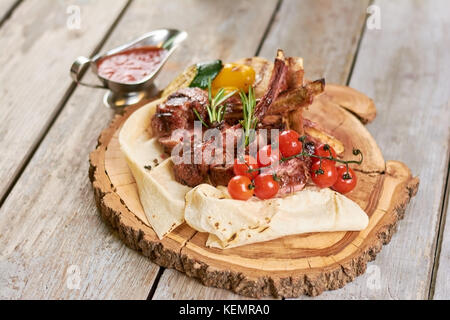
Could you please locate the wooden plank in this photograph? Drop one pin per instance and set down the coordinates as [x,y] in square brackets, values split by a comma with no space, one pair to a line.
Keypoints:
[5,8]
[50,227]
[292,17]
[405,73]
[225,37]
[38,48]
[325,33]
[441,291]
[175,285]
[49,221]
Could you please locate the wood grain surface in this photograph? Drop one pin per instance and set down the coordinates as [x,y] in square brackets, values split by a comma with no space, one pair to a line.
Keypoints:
[6,6]
[52,230]
[412,126]
[37,51]
[175,285]
[325,33]
[404,67]
[441,290]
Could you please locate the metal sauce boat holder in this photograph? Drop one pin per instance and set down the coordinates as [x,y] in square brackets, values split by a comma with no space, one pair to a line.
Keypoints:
[120,95]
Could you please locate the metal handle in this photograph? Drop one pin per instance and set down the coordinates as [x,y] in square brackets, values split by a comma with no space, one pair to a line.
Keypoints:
[79,68]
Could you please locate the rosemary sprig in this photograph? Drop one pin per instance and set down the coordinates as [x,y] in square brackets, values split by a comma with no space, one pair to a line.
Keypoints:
[215,109]
[248,109]
[200,118]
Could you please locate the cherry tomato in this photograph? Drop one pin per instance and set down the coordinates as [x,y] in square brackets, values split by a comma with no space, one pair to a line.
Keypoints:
[266,187]
[324,151]
[268,156]
[240,188]
[345,183]
[328,177]
[242,168]
[290,145]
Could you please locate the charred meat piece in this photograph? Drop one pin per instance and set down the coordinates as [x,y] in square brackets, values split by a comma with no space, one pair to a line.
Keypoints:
[170,142]
[278,84]
[295,72]
[293,174]
[191,174]
[177,112]
[220,175]
[286,93]
[296,98]
[233,110]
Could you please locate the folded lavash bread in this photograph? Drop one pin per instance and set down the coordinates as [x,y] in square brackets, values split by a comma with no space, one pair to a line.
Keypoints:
[233,223]
[161,196]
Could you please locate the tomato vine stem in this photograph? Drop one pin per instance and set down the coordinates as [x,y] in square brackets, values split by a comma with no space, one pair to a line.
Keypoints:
[356,152]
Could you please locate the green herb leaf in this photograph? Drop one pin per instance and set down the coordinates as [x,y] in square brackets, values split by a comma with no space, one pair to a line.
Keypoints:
[206,71]
[248,109]
[200,118]
[215,109]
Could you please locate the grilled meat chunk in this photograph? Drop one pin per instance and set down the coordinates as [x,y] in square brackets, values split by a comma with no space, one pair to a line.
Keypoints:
[191,174]
[295,99]
[220,175]
[293,174]
[278,84]
[178,111]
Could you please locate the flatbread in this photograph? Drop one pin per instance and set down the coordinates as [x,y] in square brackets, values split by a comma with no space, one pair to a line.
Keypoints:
[233,223]
[162,197]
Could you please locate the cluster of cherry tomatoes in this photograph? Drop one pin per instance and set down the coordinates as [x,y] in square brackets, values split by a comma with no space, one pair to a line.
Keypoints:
[325,174]
[252,180]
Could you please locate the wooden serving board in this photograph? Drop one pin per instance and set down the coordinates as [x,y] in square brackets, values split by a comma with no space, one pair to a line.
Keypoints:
[287,267]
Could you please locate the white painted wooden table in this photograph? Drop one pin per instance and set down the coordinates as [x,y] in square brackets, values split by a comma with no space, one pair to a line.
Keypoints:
[53,244]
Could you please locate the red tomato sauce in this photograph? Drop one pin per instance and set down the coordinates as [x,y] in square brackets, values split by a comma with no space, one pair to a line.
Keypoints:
[132,65]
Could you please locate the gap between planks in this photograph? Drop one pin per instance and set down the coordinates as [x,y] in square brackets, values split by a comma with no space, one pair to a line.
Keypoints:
[60,106]
[436,240]
[9,12]
[269,26]
[358,46]
[155,283]
[440,233]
